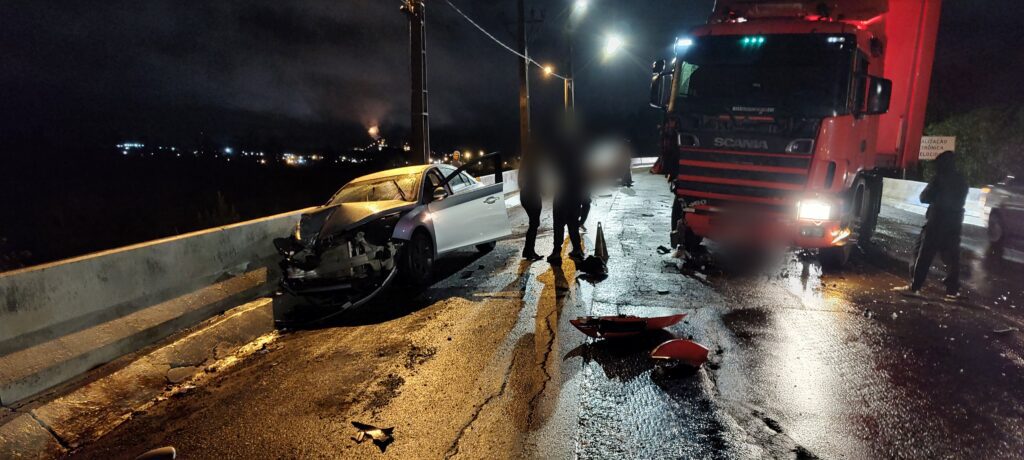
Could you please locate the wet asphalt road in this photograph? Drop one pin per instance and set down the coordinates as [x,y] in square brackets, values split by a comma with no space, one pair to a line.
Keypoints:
[485,364]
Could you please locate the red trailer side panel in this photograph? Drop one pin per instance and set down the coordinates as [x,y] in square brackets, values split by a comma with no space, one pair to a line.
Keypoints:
[911,27]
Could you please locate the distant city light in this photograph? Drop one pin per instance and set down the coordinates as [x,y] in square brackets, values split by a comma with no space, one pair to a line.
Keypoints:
[227,150]
[373,131]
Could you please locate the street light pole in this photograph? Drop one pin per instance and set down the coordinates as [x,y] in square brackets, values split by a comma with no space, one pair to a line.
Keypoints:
[524,82]
[415,10]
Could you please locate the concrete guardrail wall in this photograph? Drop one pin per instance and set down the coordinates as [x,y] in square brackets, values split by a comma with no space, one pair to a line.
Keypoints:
[61,319]
[905,194]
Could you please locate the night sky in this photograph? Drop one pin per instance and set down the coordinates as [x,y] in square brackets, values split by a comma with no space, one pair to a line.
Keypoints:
[310,73]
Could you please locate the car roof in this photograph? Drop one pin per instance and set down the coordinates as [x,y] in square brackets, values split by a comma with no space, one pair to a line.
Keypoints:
[418,169]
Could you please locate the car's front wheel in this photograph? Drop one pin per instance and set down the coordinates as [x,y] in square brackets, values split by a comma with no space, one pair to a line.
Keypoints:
[417,262]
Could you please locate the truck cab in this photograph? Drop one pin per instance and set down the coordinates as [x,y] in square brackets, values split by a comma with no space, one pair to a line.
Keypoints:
[773,124]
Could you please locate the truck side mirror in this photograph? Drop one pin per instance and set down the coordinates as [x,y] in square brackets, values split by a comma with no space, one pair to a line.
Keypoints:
[658,66]
[657,97]
[879,95]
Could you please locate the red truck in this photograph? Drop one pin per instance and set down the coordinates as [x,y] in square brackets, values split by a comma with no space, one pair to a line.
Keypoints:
[783,116]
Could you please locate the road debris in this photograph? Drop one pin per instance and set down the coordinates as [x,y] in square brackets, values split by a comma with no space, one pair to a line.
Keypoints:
[686,351]
[663,250]
[163,453]
[592,266]
[617,326]
[1006,330]
[381,437]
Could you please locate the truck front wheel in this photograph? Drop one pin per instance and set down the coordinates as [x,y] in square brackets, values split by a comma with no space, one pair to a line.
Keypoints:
[836,257]
[866,205]
[681,234]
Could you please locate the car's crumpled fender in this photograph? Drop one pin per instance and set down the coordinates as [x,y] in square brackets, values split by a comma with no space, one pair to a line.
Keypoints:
[418,217]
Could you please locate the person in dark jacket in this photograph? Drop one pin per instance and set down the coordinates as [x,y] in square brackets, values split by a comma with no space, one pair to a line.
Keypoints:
[945,196]
[530,198]
[570,192]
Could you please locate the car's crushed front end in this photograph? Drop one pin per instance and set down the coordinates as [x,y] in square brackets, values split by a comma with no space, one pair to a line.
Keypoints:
[343,252]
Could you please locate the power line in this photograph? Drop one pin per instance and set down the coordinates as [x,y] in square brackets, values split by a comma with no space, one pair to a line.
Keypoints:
[499,42]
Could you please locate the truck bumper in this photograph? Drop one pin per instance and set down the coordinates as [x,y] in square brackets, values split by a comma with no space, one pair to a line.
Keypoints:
[767,230]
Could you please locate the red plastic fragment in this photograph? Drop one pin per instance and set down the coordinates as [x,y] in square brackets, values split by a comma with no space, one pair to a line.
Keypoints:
[687,351]
[616,326]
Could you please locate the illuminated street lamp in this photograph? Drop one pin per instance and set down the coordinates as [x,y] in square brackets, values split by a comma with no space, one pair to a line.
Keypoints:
[612,44]
[581,5]
[548,70]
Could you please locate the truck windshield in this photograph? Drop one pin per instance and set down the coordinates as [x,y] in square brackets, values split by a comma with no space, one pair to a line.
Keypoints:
[800,75]
[402,188]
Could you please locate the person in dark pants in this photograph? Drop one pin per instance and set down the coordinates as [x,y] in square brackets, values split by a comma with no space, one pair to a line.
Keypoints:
[569,195]
[584,212]
[530,198]
[566,214]
[945,196]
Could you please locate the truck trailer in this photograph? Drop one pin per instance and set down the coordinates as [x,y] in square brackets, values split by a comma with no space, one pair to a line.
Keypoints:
[783,116]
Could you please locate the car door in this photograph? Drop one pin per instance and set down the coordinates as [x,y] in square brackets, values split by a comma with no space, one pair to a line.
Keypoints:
[473,213]
[489,220]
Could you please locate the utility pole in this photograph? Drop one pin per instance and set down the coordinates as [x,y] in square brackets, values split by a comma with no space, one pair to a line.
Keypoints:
[524,83]
[570,82]
[415,10]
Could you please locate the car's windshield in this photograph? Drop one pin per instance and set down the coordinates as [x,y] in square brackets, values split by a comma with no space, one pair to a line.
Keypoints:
[400,187]
[806,75]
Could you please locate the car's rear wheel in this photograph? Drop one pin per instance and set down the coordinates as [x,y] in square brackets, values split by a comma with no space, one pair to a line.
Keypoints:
[486,247]
[417,262]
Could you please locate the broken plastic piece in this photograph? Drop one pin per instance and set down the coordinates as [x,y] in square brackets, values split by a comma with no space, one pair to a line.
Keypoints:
[163,453]
[1006,330]
[592,266]
[683,350]
[616,326]
[381,437]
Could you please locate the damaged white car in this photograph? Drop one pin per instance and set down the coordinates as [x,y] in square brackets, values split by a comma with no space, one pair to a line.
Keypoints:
[394,223]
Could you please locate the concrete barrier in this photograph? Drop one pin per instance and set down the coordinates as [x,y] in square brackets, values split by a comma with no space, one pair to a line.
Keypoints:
[643,161]
[905,194]
[61,319]
[510,179]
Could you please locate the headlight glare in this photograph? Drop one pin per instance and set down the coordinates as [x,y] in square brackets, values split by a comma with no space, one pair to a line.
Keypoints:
[813,209]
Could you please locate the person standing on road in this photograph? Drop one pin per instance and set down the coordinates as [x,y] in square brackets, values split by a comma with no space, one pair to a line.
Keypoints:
[456,159]
[530,198]
[945,196]
[585,211]
[569,196]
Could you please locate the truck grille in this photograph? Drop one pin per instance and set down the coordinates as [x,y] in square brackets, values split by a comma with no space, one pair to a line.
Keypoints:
[727,176]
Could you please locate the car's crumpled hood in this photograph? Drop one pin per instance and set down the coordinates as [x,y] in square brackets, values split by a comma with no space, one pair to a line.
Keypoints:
[334,219]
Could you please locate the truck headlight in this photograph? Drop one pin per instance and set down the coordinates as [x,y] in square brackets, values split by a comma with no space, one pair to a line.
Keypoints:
[813,209]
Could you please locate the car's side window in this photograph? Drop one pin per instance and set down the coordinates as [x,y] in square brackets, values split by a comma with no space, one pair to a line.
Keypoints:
[433,181]
[469,179]
[459,183]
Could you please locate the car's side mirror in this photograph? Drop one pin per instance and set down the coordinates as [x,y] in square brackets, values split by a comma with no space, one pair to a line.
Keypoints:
[439,194]
[879,96]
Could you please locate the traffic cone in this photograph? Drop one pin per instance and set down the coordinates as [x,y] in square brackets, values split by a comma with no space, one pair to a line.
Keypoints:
[600,249]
